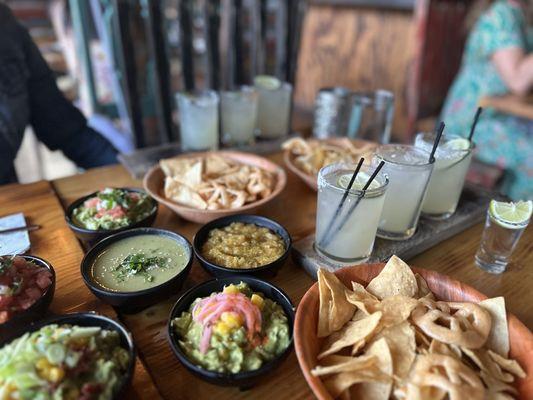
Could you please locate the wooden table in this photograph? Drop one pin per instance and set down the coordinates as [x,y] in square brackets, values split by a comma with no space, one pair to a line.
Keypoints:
[510,104]
[295,209]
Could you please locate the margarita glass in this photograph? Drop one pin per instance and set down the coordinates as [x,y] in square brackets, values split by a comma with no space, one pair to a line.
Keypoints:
[452,160]
[408,169]
[238,115]
[274,108]
[350,238]
[198,115]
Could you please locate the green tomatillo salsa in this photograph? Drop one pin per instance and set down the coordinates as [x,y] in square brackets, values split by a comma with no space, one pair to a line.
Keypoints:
[233,331]
[113,209]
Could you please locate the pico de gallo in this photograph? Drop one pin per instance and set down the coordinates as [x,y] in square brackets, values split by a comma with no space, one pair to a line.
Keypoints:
[63,362]
[22,283]
[233,331]
[112,209]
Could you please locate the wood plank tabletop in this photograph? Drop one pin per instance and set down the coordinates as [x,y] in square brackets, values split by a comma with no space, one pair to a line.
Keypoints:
[510,104]
[295,209]
[55,243]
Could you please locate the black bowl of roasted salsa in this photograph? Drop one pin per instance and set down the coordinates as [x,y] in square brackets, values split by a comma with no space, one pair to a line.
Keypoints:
[242,244]
[27,285]
[72,356]
[109,211]
[136,268]
[232,331]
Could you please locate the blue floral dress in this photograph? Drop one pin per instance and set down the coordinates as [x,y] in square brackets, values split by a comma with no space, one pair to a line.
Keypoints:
[501,139]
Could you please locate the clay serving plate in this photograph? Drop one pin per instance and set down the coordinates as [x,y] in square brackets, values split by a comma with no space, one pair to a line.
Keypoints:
[311,180]
[155,178]
[307,344]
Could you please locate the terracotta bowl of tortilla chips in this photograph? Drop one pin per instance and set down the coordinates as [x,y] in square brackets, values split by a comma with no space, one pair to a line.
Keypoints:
[154,182]
[308,345]
[359,148]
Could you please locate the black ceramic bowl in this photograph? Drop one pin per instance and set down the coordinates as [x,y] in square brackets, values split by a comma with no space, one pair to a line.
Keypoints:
[91,319]
[265,271]
[92,236]
[135,301]
[37,310]
[243,380]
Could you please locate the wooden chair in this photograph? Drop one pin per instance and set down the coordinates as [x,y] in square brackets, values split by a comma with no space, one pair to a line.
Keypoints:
[439,43]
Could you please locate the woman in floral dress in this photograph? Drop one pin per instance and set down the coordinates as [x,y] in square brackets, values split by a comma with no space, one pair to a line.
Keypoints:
[497,60]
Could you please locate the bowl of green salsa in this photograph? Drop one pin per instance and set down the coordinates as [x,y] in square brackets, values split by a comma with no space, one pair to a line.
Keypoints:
[136,268]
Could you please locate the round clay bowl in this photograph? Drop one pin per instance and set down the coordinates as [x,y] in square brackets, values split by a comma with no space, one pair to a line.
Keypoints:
[307,344]
[155,178]
[311,180]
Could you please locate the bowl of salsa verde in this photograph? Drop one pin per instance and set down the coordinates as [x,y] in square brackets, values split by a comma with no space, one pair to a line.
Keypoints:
[109,211]
[136,268]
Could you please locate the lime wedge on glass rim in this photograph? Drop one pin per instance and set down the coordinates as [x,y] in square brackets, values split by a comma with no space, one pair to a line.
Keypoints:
[511,215]
[457,144]
[360,181]
[267,82]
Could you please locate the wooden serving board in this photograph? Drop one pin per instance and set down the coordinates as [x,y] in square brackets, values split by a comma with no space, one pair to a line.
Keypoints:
[471,210]
[55,243]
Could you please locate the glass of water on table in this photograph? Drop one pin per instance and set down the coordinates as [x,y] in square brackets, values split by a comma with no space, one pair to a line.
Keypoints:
[453,157]
[504,225]
[238,115]
[409,170]
[350,238]
[198,119]
[274,107]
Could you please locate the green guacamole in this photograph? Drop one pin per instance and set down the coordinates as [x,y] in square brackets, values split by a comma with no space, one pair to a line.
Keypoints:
[113,209]
[232,346]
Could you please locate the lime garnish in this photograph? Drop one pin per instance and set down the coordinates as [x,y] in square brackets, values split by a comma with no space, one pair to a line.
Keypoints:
[515,214]
[267,82]
[360,181]
[458,144]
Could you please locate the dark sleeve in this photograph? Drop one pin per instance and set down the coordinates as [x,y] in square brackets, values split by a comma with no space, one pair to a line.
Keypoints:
[56,121]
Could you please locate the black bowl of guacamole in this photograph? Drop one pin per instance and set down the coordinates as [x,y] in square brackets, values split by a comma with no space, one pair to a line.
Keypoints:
[247,377]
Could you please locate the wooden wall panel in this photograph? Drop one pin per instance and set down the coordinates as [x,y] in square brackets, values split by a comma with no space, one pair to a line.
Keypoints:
[360,48]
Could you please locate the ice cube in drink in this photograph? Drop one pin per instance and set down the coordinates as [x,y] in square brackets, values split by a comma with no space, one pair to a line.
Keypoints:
[350,238]
[408,169]
[452,160]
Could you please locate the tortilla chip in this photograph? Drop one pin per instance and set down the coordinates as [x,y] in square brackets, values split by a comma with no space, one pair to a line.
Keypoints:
[352,332]
[183,194]
[395,278]
[507,364]
[340,382]
[437,347]
[402,345]
[498,340]
[362,299]
[396,309]
[334,309]
[485,363]
[353,364]
[423,288]
[376,390]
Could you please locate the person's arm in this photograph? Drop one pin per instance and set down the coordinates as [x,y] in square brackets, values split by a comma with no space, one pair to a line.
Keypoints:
[55,120]
[515,69]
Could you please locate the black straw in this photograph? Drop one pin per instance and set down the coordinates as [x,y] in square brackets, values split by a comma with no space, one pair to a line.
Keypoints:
[344,196]
[436,143]
[473,128]
[354,205]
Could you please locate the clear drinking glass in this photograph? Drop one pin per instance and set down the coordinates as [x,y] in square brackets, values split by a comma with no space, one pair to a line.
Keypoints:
[274,107]
[408,169]
[371,116]
[238,115]
[452,160]
[350,238]
[198,115]
[498,241]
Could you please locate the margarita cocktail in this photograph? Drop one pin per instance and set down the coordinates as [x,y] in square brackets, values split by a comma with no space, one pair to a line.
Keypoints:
[198,116]
[408,169]
[350,238]
[274,108]
[452,160]
[238,115]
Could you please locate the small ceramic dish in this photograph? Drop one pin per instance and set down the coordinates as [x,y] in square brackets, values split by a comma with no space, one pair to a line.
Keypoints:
[89,320]
[37,310]
[92,236]
[154,182]
[268,270]
[247,379]
[135,301]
